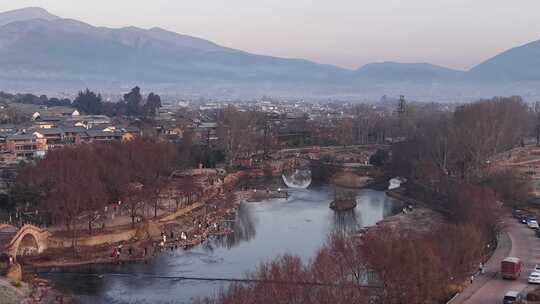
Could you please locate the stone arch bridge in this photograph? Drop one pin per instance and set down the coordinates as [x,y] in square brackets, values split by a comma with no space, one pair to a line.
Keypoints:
[28,240]
[322,170]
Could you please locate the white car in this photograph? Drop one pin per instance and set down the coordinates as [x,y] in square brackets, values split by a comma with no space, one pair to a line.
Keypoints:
[533,224]
[534,278]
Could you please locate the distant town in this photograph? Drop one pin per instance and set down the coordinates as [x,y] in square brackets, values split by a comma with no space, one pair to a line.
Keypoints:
[33,125]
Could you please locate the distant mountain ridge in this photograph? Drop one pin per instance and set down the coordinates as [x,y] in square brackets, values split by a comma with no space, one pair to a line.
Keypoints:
[42,52]
[28,13]
[519,64]
[413,72]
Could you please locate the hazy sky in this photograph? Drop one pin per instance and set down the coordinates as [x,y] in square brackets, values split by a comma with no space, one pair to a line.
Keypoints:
[349,33]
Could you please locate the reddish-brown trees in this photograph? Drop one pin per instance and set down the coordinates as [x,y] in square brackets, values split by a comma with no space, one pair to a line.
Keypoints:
[77,182]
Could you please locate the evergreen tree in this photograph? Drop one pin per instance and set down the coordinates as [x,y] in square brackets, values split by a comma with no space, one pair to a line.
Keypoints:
[153,103]
[88,102]
[134,102]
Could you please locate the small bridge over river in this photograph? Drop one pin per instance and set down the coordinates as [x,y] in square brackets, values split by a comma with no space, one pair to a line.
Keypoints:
[354,159]
[322,170]
[28,240]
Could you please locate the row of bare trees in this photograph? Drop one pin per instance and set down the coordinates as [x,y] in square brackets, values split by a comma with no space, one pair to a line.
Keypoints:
[461,143]
[76,182]
[243,134]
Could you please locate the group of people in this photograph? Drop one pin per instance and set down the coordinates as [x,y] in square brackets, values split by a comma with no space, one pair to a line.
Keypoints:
[117,251]
[173,242]
[201,228]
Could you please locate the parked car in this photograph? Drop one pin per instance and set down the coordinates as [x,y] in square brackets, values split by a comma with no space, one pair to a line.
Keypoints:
[516,213]
[533,224]
[511,268]
[523,219]
[534,278]
[513,297]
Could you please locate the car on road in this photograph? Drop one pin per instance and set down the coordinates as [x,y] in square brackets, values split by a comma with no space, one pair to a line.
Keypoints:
[523,219]
[512,297]
[532,223]
[534,278]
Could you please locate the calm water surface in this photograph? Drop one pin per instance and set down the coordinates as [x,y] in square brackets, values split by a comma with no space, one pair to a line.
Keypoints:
[299,225]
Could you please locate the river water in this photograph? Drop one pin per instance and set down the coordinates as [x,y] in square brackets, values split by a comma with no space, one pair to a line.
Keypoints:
[262,230]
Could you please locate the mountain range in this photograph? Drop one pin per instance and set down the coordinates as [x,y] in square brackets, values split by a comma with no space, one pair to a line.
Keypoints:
[41,52]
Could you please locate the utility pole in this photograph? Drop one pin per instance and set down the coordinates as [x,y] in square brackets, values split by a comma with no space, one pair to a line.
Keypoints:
[401,105]
[402,113]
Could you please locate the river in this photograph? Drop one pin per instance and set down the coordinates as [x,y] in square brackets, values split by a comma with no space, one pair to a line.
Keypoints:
[262,230]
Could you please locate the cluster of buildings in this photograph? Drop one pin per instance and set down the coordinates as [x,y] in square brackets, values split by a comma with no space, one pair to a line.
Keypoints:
[289,123]
[59,126]
[51,128]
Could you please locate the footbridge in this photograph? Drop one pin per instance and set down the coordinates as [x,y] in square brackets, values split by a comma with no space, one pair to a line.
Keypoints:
[28,240]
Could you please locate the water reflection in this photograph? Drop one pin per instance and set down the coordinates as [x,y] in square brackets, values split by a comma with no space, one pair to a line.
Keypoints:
[297,178]
[243,227]
[345,222]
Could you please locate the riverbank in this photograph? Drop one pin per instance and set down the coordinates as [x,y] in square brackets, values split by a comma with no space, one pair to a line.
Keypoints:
[414,216]
[152,237]
[180,230]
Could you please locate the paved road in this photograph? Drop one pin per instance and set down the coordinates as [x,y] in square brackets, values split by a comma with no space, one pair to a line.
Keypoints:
[519,241]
